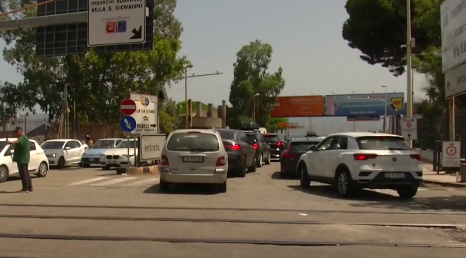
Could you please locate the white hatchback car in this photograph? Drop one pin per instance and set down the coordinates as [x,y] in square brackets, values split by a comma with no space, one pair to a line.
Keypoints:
[352,161]
[194,156]
[62,152]
[38,163]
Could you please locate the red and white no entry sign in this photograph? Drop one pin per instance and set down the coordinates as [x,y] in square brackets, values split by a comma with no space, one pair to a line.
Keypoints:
[451,151]
[128,107]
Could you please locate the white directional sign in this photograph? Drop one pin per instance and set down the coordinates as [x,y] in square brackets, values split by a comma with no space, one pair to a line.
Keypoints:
[451,154]
[409,128]
[146,113]
[113,22]
[151,146]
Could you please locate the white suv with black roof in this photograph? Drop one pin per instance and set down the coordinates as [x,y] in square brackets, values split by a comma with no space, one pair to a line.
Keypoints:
[352,161]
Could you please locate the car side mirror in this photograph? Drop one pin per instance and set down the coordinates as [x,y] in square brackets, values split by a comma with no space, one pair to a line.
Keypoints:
[12,152]
[67,148]
[312,148]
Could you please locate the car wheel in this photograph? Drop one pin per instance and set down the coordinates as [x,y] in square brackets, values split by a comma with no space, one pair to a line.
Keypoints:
[242,171]
[42,170]
[222,188]
[61,162]
[343,184]
[304,180]
[259,161]
[164,187]
[407,192]
[252,168]
[3,174]
[267,162]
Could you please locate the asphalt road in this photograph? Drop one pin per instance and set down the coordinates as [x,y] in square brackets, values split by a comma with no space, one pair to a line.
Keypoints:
[93,213]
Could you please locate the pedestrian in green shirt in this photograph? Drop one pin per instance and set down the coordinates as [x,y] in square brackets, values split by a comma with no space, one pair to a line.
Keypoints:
[21,156]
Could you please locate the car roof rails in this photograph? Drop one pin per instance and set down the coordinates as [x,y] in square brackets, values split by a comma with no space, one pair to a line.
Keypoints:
[249,126]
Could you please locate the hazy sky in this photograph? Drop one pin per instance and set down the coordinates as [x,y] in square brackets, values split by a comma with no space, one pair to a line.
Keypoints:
[307,43]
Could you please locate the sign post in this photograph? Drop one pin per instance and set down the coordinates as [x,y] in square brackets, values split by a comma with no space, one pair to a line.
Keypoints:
[128,107]
[409,128]
[146,113]
[451,154]
[116,22]
[150,146]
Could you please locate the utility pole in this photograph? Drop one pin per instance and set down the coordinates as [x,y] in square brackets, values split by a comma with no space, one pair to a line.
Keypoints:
[409,73]
[185,77]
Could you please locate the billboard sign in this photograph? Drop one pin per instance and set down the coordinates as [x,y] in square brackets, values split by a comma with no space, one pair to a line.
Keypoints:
[453,17]
[356,118]
[298,106]
[364,104]
[455,81]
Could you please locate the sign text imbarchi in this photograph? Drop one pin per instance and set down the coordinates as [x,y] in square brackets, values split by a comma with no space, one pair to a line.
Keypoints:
[104,5]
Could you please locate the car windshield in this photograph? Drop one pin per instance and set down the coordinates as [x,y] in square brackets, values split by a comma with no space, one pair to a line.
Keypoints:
[52,145]
[127,144]
[302,146]
[270,138]
[103,144]
[193,142]
[227,134]
[382,143]
[2,145]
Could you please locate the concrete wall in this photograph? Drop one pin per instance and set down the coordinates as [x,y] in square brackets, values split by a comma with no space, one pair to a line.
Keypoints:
[206,118]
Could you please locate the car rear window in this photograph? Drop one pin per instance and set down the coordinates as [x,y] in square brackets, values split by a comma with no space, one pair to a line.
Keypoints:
[382,143]
[302,146]
[251,137]
[227,135]
[193,142]
[271,138]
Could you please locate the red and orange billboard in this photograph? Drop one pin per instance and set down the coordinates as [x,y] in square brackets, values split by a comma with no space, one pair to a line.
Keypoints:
[298,106]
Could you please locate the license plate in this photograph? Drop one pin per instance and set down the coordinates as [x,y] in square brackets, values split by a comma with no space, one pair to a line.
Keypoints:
[112,162]
[193,159]
[394,175]
[91,159]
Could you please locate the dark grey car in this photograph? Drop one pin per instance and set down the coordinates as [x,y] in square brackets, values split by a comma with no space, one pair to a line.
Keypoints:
[260,145]
[290,157]
[241,154]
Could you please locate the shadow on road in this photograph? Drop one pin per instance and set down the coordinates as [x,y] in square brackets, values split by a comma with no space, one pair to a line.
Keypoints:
[193,189]
[436,200]
[278,176]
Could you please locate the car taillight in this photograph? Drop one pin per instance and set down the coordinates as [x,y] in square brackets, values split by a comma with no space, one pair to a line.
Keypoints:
[164,161]
[287,155]
[255,146]
[236,147]
[221,162]
[416,156]
[279,143]
[364,156]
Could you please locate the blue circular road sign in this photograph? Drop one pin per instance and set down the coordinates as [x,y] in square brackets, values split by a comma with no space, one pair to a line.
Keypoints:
[128,124]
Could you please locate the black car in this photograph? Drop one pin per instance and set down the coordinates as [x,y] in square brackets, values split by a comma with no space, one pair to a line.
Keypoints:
[241,154]
[277,145]
[290,157]
[262,149]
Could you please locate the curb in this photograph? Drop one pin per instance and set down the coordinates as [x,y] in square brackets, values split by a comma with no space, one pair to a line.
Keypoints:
[458,185]
[146,170]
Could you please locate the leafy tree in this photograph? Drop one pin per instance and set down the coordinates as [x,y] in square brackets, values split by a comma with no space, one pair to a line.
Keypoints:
[252,82]
[96,82]
[169,117]
[378,29]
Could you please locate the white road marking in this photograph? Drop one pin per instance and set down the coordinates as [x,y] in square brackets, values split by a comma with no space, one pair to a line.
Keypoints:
[153,180]
[87,181]
[114,181]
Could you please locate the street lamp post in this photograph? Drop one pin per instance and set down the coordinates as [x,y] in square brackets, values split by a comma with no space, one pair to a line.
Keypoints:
[254,107]
[409,73]
[186,94]
[385,114]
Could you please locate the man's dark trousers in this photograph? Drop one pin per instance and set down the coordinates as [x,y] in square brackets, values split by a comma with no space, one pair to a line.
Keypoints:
[25,177]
